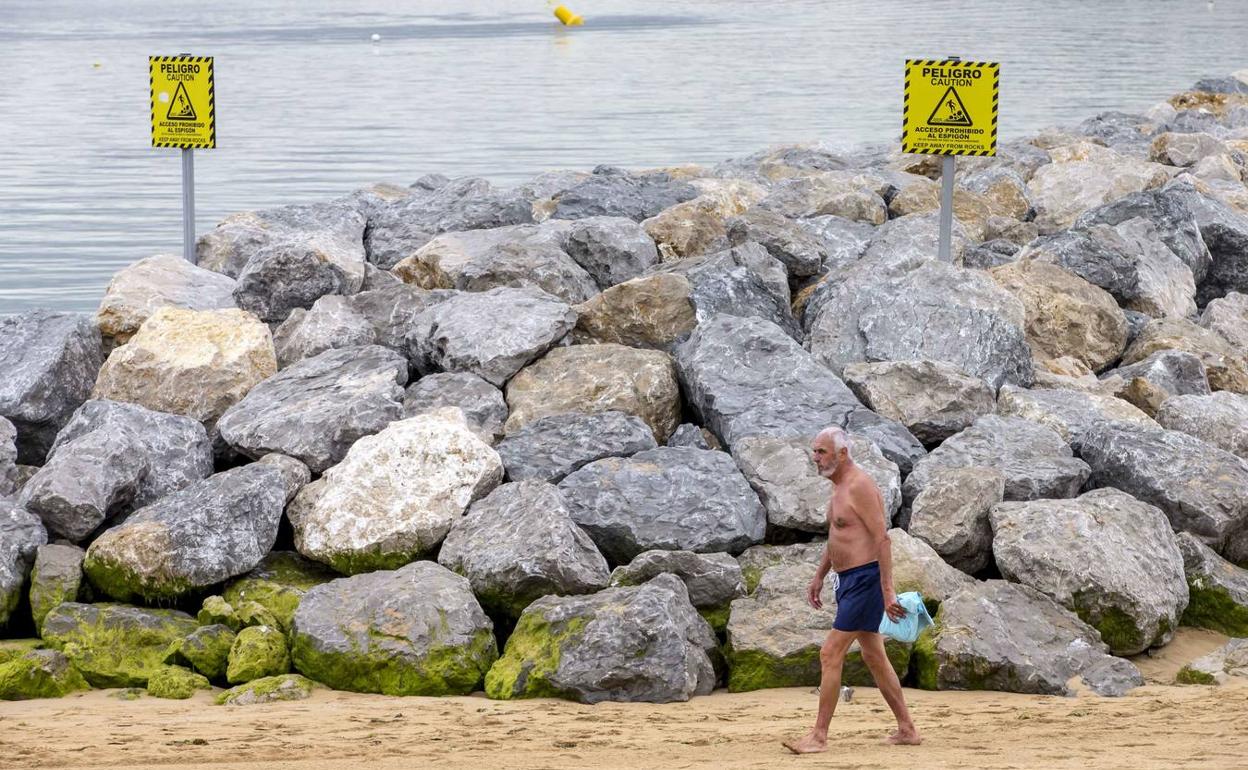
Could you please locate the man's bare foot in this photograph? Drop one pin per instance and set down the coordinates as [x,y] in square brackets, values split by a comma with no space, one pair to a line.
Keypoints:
[904,738]
[808,744]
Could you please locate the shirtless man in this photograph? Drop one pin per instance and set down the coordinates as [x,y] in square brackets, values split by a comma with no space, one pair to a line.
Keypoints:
[860,551]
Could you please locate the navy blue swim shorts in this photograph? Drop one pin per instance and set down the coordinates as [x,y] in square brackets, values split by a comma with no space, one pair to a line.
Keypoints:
[859,599]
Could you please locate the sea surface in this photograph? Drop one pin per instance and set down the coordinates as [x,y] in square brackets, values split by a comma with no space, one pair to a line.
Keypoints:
[309,107]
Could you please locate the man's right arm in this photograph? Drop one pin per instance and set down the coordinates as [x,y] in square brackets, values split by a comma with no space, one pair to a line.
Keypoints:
[816,585]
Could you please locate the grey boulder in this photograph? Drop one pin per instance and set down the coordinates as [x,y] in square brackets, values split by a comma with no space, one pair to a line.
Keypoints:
[1202,489]
[316,409]
[800,251]
[712,579]
[1148,383]
[934,400]
[1217,589]
[550,448]
[613,192]
[1036,461]
[1002,636]
[194,538]
[1221,419]
[391,310]
[331,323]
[645,643]
[482,403]
[416,630]
[1069,412]
[672,499]
[1106,556]
[21,534]
[492,334]
[951,515]
[518,544]
[111,458]
[334,231]
[49,361]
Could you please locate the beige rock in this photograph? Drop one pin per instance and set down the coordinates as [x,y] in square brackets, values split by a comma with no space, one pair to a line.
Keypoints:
[1217,104]
[933,399]
[1066,315]
[698,226]
[1068,412]
[1227,366]
[1175,149]
[647,312]
[1083,176]
[839,193]
[1228,316]
[922,196]
[1011,230]
[142,288]
[1217,168]
[588,379]
[1005,194]
[196,363]
[917,567]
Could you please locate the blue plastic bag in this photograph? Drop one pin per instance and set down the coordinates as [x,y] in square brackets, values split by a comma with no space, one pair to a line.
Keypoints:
[917,618]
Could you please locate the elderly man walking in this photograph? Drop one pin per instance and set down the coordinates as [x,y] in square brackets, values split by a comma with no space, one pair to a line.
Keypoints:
[860,551]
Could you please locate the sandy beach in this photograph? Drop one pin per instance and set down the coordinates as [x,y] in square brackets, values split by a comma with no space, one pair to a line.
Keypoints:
[1156,726]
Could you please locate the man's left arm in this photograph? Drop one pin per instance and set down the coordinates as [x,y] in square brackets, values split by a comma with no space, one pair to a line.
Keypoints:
[872,512]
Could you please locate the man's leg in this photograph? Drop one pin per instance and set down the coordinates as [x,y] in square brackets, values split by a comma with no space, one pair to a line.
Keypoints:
[831,658]
[876,658]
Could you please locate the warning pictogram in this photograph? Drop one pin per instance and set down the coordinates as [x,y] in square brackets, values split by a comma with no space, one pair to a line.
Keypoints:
[950,111]
[180,107]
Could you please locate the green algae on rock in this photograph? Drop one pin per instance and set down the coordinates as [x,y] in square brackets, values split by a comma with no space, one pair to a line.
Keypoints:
[206,649]
[114,645]
[417,630]
[267,690]
[278,583]
[39,674]
[56,578]
[175,682]
[258,651]
[216,610]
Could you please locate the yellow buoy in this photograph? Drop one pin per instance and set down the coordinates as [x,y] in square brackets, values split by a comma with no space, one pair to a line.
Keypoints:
[568,18]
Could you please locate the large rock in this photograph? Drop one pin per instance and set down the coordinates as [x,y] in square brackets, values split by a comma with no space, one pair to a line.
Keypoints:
[1227,367]
[712,579]
[283,276]
[646,643]
[1228,317]
[268,689]
[315,410]
[334,230]
[666,498]
[934,400]
[10,476]
[774,636]
[1148,383]
[1130,260]
[192,539]
[206,649]
[257,652]
[278,583]
[482,403]
[937,312]
[114,645]
[746,377]
[111,458]
[913,239]
[653,311]
[613,192]
[193,363]
[917,567]
[1218,666]
[552,447]
[1036,461]
[492,334]
[1066,315]
[1083,177]
[21,534]
[826,194]
[519,544]
[400,221]
[332,322]
[1184,149]
[49,362]
[1171,216]
[1069,412]
[139,289]
[800,251]
[416,630]
[395,495]
[39,674]
[783,472]
[1002,636]
[1225,233]
[525,256]
[1218,590]
[951,515]
[1130,584]
[743,281]
[56,578]
[1200,487]
[844,240]
[611,249]
[588,379]
[391,310]
[1220,419]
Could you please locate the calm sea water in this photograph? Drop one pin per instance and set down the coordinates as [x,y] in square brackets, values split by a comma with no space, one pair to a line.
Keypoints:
[308,107]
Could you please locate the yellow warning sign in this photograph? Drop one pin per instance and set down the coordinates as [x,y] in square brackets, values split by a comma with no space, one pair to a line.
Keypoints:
[950,107]
[184,110]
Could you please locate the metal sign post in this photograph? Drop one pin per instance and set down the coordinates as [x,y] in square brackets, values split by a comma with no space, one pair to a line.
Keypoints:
[949,109]
[184,115]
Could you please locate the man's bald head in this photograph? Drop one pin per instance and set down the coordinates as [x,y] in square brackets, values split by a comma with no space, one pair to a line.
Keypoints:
[831,450]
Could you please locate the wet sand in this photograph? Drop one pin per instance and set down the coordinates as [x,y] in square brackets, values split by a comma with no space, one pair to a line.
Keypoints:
[1155,727]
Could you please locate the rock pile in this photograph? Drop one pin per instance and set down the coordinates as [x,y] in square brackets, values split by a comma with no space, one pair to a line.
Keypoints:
[554,440]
